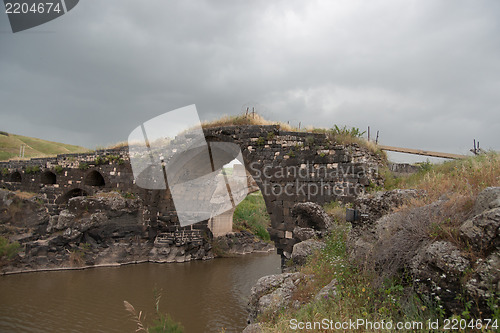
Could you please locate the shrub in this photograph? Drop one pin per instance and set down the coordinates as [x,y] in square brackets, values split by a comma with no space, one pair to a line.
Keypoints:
[5,172]
[32,169]
[8,249]
[58,169]
[83,166]
[261,141]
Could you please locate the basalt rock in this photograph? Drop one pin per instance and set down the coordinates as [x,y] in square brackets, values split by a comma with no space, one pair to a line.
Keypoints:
[311,215]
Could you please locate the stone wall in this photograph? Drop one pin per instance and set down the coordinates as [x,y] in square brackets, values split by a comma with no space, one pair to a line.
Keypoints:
[288,167]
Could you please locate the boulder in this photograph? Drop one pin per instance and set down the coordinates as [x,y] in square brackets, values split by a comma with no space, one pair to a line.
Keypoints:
[253,328]
[272,293]
[438,269]
[304,249]
[376,205]
[302,234]
[482,231]
[327,291]
[489,198]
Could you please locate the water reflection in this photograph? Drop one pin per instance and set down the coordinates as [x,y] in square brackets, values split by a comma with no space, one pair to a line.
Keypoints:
[204,296]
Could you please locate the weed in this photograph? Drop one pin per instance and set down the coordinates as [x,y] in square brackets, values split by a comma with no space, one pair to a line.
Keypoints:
[261,141]
[163,323]
[58,169]
[32,169]
[270,136]
[83,166]
[7,249]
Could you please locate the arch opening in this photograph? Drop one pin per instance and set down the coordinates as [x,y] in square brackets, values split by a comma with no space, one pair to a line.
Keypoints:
[49,178]
[94,178]
[76,192]
[16,177]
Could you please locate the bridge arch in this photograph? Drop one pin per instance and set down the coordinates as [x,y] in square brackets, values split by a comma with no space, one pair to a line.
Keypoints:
[48,178]
[94,178]
[16,177]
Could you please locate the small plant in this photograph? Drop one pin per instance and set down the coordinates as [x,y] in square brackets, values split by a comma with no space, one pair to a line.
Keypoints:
[270,136]
[353,132]
[163,323]
[121,161]
[261,141]
[7,249]
[310,140]
[32,169]
[58,169]
[5,172]
[128,195]
[83,166]
[291,153]
[100,160]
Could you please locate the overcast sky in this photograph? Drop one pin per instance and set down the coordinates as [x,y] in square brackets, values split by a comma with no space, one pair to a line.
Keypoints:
[426,74]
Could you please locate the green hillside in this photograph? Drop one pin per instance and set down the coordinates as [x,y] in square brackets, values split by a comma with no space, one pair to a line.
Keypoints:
[10,144]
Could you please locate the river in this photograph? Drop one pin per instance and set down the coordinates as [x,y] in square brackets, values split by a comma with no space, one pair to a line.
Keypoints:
[205,296]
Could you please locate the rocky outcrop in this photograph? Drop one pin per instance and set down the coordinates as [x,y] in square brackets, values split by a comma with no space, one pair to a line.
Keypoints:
[448,270]
[373,206]
[106,229]
[272,293]
[239,243]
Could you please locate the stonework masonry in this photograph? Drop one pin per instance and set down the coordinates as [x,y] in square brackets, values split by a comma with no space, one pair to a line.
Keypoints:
[288,167]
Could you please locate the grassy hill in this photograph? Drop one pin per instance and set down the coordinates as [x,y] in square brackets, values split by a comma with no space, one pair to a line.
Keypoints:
[10,144]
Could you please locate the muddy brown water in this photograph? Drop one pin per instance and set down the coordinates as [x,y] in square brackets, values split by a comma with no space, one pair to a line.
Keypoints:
[205,296]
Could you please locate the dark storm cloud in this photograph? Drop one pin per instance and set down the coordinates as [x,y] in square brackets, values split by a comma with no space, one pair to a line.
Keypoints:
[424,73]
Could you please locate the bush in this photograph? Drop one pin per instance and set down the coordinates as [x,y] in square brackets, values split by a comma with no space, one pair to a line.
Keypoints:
[83,166]
[8,249]
[32,169]
[58,169]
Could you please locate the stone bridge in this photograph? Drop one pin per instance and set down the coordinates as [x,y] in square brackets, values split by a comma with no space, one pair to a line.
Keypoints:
[288,167]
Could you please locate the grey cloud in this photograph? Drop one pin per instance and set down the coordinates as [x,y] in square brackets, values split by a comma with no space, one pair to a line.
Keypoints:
[425,73]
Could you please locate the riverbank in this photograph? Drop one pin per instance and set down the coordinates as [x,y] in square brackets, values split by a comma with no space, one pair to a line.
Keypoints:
[424,253]
[100,231]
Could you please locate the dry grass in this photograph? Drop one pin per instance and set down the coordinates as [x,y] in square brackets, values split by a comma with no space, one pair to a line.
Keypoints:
[459,182]
[24,195]
[242,120]
[465,177]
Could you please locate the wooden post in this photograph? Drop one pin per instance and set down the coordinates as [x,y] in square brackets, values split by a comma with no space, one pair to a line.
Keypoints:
[299,125]
[368,133]
[246,113]
[376,140]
